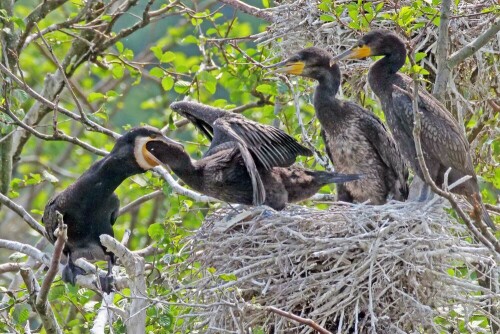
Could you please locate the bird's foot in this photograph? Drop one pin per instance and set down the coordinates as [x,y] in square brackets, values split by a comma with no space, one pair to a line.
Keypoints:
[70,272]
[107,283]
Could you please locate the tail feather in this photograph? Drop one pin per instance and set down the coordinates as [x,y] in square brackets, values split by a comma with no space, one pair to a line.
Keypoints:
[477,204]
[330,177]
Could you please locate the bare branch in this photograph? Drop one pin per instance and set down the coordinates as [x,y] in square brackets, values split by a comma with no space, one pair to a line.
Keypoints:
[46,314]
[475,45]
[247,9]
[23,214]
[134,266]
[301,320]
[57,136]
[103,314]
[139,201]
[442,46]
[62,235]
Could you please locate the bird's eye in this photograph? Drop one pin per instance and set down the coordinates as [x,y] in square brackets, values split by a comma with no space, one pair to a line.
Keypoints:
[153,136]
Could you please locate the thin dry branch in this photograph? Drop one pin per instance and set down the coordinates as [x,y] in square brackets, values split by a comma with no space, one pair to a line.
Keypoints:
[307,322]
[248,9]
[22,213]
[139,201]
[103,314]
[46,314]
[62,235]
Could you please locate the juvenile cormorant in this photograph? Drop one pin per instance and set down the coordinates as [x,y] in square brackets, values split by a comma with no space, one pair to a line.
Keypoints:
[90,207]
[356,140]
[247,162]
[443,142]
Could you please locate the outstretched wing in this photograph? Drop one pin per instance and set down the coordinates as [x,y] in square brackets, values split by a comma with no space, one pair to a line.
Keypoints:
[271,146]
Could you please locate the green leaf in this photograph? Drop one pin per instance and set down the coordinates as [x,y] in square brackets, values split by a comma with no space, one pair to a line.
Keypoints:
[265,3]
[167,83]
[157,72]
[327,18]
[167,57]
[157,51]
[156,231]
[265,89]
[95,96]
[228,277]
[119,46]
[23,314]
[118,71]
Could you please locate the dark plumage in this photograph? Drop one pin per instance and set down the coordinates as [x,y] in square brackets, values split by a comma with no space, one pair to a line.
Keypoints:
[443,142]
[90,207]
[247,162]
[356,140]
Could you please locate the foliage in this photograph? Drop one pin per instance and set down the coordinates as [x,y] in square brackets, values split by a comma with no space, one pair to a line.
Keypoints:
[125,71]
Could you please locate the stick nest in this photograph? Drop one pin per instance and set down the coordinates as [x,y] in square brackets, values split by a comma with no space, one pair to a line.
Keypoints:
[394,268]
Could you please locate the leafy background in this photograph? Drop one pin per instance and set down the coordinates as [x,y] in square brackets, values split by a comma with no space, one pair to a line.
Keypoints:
[214,54]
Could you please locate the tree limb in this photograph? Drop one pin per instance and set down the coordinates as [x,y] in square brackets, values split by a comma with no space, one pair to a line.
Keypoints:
[139,201]
[23,214]
[442,46]
[247,9]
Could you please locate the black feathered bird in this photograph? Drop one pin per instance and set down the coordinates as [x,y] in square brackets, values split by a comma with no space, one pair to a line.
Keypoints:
[247,162]
[356,140]
[443,142]
[90,207]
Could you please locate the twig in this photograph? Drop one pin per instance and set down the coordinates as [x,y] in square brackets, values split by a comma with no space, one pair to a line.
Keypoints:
[139,201]
[46,314]
[57,136]
[23,214]
[251,10]
[301,320]
[62,235]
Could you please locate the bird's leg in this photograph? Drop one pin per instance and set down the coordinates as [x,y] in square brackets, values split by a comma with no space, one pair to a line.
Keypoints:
[107,281]
[70,272]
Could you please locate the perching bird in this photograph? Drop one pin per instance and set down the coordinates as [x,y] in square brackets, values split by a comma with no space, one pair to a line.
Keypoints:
[90,207]
[356,140]
[443,142]
[247,162]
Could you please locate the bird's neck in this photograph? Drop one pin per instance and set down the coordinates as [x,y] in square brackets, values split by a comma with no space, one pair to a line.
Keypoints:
[384,72]
[325,102]
[104,176]
[182,165]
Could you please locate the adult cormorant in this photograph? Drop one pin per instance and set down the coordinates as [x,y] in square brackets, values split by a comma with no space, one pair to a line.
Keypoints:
[356,140]
[247,162]
[443,142]
[90,207]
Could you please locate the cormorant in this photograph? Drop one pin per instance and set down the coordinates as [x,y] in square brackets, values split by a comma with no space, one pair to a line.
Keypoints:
[247,162]
[356,140]
[90,207]
[443,142]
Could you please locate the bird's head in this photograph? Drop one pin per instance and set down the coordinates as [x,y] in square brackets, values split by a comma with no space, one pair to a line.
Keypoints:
[311,62]
[144,144]
[374,43]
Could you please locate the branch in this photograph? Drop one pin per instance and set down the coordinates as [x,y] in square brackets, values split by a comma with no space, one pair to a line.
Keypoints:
[247,9]
[103,314]
[46,314]
[57,136]
[475,45]
[443,41]
[139,201]
[181,190]
[134,266]
[23,214]
[62,236]
[54,106]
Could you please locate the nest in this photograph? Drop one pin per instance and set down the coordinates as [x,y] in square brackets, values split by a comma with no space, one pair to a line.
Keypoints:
[394,268]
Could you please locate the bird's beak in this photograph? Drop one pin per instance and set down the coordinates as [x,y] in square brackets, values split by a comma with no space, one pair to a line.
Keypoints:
[356,52]
[289,67]
[154,150]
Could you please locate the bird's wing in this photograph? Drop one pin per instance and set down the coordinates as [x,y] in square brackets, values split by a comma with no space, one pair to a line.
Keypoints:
[383,143]
[259,192]
[49,219]
[270,146]
[441,136]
